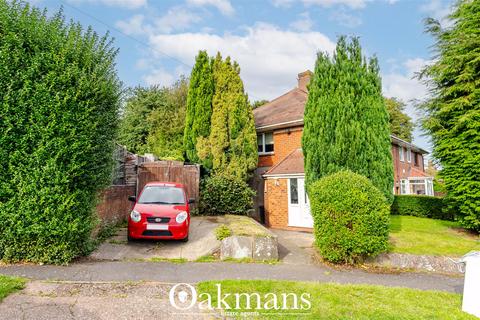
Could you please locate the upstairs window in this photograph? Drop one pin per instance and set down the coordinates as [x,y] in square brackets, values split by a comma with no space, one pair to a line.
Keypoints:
[415,159]
[409,155]
[401,153]
[265,143]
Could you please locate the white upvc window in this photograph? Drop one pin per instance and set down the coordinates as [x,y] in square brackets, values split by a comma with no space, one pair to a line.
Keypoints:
[401,153]
[404,187]
[409,155]
[265,143]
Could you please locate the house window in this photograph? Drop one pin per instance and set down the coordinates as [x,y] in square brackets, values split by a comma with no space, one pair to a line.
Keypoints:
[294,191]
[403,186]
[409,155]
[265,143]
[401,153]
[415,159]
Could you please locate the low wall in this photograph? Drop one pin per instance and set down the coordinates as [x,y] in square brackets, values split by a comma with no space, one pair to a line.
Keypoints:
[417,262]
[114,205]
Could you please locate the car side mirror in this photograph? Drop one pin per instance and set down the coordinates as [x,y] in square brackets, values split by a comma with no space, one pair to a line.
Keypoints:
[132,198]
[191,200]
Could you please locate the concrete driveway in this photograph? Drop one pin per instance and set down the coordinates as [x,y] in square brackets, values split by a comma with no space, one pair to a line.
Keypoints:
[294,247]
[202,241]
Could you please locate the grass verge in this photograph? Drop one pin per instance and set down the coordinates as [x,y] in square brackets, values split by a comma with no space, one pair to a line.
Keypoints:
[335,301]
[426,236]
[9,285]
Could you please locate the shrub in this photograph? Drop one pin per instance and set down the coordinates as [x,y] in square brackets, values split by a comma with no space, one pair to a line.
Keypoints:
[225,195]
[421,206]
[351,217]
[59,98]
[222,232]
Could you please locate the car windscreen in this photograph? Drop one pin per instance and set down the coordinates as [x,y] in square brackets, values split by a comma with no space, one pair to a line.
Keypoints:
[162,195]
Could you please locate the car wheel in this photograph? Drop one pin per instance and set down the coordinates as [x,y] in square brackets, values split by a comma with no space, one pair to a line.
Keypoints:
[185,239]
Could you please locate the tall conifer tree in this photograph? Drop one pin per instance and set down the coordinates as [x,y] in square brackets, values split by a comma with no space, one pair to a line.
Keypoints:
[346,122]
[232,141]
[199,107]
[453,113]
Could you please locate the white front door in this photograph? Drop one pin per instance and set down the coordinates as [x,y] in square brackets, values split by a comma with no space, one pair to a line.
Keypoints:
[298,205]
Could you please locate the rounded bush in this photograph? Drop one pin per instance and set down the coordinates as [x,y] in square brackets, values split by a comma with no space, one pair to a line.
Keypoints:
[225,195]
[351,217]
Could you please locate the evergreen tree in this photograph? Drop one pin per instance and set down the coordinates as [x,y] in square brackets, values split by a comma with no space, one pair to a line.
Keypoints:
[401,124]
[232,140]
[452,115]
[199,108]
[346,122]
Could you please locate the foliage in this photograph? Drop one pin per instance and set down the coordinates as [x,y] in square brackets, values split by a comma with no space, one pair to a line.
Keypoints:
[452,115]
[258,103]
[346,122]
[350,217]
[154,120]
[330,301]
[232,144]
[167,122]
[401,124]
[225,195]
[59,96]
[421,206]
[222,232]
[9,285]
[426,236]
[199,108]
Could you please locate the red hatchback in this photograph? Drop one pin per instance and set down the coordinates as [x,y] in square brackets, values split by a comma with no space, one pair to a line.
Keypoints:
[160,212]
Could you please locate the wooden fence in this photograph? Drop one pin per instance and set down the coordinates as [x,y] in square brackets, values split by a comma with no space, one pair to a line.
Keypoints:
[171,171]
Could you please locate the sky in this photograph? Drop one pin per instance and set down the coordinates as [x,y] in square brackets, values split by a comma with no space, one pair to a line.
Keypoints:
[272,40]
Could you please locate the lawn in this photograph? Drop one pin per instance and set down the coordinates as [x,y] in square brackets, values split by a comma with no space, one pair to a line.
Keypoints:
[335,301]
[9,285]
[430,237]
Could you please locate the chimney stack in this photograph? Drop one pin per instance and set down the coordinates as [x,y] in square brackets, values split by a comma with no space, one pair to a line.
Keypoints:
[304,79]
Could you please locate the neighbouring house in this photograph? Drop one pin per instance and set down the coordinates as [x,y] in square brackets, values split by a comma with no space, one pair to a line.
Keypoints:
[279,177]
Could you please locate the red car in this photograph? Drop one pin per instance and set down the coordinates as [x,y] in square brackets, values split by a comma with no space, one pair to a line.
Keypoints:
[160,212]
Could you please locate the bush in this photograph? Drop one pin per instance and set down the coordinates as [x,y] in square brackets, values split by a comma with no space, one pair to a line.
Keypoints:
[222,232]
[351,217]
[59,99]
[421,206]
[225,195]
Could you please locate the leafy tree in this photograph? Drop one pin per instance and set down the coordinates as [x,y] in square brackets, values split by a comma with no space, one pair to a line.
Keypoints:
[452,115]
[400,123]
[232,141]
[154,120]
[199,107]
[134,126]
[346,122]
[167,123]
[59,101]
[258,103]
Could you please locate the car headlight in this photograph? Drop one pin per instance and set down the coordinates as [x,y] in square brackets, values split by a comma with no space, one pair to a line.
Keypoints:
[135,216]
[181,217]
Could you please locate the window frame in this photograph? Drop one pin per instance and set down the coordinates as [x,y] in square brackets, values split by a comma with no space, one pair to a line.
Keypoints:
[263,153]
[409,155]
[401,153]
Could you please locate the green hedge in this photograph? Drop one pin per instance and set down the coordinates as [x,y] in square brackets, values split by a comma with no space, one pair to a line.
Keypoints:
[351,217]
[225,195]
[421,206]
[59,101]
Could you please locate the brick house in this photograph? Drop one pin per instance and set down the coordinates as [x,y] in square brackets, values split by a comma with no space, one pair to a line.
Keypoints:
[279,177]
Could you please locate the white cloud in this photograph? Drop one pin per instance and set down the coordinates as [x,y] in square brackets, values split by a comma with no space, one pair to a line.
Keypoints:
[224,6]
[402,84]
[354,4]
[304,22]
[176,18]
[269,57]
[437,9]
[159,76]
[282,3]
[345,19]
[129,4]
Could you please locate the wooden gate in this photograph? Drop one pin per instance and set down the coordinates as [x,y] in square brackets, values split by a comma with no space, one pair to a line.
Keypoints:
[171,171]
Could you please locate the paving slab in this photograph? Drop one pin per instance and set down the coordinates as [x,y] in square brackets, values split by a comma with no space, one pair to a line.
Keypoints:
[294,247]
[91,301]
[202,241]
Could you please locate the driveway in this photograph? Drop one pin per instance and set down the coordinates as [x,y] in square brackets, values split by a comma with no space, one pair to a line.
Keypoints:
[294,247]
[202,241]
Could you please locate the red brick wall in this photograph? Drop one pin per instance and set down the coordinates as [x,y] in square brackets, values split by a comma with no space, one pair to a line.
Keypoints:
[401,169]
[276,203]
[114,205]
[284,142]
